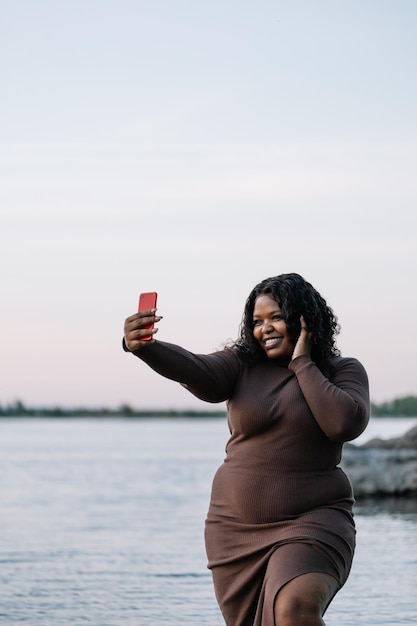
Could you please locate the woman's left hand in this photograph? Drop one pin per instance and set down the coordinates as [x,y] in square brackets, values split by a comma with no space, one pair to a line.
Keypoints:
[304,341]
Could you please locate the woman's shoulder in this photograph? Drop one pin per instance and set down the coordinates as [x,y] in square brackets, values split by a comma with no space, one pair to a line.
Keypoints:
[339,359]
[340,363]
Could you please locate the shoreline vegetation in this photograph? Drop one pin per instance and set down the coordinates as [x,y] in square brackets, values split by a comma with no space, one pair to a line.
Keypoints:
[405,406]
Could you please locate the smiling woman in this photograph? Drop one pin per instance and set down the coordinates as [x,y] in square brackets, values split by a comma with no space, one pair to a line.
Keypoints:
[280,535]
[270,329]
[278,309]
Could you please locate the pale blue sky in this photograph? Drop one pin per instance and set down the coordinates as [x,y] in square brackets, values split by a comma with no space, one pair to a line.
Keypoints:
[196,148]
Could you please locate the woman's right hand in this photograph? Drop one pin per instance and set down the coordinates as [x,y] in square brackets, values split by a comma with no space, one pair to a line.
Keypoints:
[135,329]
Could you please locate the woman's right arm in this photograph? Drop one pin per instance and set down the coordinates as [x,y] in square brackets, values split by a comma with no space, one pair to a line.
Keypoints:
[210,377]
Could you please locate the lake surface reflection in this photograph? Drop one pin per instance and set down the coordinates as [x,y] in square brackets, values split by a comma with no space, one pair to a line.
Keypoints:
[102,523]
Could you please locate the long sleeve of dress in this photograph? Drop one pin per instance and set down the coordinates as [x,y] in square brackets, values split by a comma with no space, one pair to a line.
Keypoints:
[210,377]
[341,406]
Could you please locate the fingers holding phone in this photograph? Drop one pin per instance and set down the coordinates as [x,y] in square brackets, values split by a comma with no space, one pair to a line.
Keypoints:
[140,328]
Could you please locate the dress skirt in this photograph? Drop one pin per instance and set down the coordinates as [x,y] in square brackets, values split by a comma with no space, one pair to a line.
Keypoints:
[250,563]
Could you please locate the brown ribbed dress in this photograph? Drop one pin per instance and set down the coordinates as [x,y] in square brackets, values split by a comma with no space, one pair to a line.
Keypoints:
[280,506]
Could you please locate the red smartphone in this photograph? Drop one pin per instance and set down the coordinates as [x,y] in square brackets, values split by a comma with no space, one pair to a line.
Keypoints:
[147,301]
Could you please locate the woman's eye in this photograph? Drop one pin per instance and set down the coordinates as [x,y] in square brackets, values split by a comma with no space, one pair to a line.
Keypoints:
[257,322]
[277,317]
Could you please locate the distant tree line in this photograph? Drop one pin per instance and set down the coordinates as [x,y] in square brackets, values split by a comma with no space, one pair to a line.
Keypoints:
[400,407]
[19,409]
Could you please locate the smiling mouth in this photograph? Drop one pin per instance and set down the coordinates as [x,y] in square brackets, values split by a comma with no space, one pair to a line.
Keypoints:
[272,342]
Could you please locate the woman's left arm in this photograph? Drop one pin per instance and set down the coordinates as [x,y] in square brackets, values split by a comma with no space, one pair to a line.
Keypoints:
[341,406]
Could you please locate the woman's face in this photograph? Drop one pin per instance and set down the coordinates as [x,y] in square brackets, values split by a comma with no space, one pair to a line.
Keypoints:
[270,329]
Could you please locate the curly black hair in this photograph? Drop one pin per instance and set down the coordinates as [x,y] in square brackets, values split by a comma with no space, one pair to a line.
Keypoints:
[295,297]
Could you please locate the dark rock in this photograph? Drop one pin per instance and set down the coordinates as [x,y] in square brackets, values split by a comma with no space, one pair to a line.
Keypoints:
[383,467]
[406,442]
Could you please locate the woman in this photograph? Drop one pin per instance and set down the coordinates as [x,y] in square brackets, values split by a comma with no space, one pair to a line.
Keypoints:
[279,532]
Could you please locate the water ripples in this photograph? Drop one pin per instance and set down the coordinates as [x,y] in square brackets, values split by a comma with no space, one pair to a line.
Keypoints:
[102,523]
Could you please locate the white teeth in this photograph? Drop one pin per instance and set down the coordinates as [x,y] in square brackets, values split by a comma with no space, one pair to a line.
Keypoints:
[269,342]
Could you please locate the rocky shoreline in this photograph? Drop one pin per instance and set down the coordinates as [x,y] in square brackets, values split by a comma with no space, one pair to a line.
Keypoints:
[383,468]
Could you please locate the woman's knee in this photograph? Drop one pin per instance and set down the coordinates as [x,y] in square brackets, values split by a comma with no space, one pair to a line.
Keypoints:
[303,601]
[296,611]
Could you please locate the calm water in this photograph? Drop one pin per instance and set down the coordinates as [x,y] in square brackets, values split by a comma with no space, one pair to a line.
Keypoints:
[101,522]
